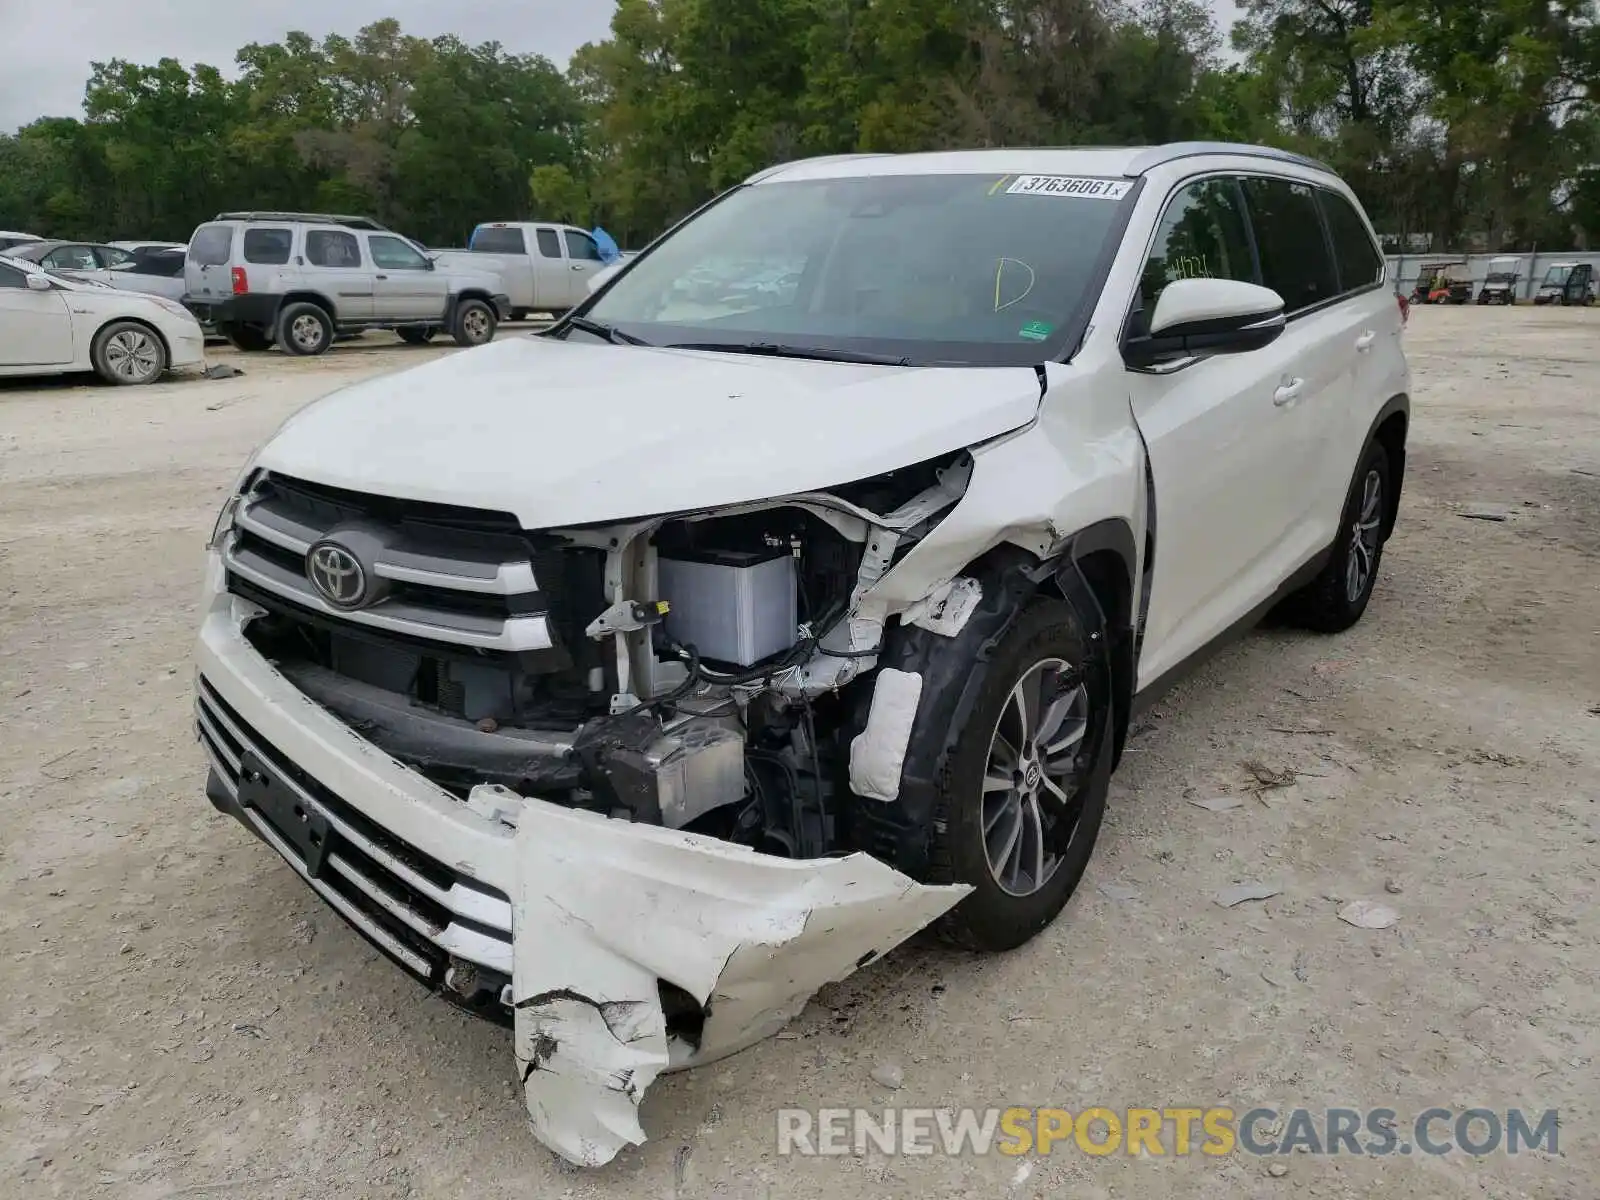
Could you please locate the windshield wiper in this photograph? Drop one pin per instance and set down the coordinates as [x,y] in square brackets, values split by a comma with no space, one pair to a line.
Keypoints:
[610,332]
[774,350]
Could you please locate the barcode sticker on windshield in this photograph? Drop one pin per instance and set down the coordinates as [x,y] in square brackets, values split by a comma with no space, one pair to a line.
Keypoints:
[1070,186]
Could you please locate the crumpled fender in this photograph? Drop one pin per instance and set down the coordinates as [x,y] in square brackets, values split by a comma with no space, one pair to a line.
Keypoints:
[605,910]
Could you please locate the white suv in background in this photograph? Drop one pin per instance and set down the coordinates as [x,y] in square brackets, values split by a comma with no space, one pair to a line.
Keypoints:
[629,682]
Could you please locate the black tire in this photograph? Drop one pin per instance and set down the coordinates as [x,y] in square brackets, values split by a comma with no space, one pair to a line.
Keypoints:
[1334,600]
[128,354]
[994,917]
[247,338]
[417,335]
[474,323]
[305,329]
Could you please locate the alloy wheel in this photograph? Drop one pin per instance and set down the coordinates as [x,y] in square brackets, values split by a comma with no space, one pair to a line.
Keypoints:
[1363,558]
[1031,782]
[306,331]
[132,355]
[476,324]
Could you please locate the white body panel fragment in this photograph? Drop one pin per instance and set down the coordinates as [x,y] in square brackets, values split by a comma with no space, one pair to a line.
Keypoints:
[615,908]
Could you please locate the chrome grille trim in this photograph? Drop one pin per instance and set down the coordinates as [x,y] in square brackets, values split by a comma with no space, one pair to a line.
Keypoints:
[510,634]
[431,560]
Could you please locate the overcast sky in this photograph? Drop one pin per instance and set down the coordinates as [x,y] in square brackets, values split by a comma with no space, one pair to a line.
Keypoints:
[49,44]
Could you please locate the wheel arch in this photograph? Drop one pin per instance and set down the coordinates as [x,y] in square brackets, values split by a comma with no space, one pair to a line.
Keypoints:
[303,296]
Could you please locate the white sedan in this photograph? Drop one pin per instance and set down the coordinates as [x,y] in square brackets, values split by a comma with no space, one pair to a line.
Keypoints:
[51,326]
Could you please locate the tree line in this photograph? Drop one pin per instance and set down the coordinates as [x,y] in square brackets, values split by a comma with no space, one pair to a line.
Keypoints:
[1473,123]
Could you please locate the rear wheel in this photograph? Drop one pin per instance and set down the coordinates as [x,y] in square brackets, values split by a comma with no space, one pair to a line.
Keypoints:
[127,354]
[305,329]
[1020,801]
[474,324]
[247,338]
[417,335]
[1336,599]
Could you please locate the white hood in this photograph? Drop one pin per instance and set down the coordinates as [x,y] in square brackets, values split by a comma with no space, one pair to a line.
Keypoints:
[568,433]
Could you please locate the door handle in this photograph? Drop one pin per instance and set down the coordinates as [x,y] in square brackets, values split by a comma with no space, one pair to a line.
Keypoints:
[576,267]
[380,277]
[1288,392]
[1364,342]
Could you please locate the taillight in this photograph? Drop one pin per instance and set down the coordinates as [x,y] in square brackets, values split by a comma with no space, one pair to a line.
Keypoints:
[241,282]
[1404,302]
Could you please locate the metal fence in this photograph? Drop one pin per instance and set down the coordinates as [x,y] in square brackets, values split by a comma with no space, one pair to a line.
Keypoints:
[1404,268]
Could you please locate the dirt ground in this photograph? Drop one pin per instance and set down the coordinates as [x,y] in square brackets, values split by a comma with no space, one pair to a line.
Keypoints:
[184,1018]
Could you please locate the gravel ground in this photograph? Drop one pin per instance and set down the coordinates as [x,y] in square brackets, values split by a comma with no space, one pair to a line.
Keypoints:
[184,1018]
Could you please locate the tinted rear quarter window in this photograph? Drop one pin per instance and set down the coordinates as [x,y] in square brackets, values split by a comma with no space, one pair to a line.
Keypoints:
[1360,264]
[1295,261]
[212,245]
[499,241]
[549,244]
[269,247]
[332,248]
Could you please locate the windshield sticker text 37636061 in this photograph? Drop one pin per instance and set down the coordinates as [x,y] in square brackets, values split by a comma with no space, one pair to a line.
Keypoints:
[1070,186]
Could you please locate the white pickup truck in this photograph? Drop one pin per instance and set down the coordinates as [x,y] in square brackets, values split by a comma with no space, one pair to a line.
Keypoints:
[542,267]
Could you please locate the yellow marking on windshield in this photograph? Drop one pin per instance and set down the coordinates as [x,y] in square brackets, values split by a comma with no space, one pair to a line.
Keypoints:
[999,273]
[998,184]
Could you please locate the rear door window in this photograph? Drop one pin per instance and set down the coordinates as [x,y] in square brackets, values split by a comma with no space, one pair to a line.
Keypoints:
[1295,260]
[487,239]
[1359,262]
[268,247]
[113,257]
[332,248]
[212,245]
[549,244]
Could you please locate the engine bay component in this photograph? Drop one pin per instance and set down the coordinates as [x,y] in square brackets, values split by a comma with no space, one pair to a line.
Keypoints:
[732,606]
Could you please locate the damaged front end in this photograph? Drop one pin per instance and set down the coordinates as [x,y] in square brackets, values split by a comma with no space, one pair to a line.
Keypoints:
[673,722]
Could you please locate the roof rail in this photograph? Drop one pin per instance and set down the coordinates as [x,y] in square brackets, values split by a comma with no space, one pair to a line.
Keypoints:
[1160,155]
[318,218]
[768,172]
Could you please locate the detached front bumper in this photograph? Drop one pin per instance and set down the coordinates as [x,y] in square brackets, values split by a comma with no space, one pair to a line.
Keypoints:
[620,950]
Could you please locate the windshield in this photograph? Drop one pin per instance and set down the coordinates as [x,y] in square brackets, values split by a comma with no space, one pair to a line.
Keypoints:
[1556,276]
[933,269]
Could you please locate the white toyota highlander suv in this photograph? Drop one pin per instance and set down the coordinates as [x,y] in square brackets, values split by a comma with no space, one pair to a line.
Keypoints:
[628,682]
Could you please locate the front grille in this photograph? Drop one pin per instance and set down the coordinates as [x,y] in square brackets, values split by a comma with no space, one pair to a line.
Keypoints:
[453,575]
[418,910]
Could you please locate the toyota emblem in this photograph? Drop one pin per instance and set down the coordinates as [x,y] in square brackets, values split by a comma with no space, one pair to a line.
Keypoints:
[337,575]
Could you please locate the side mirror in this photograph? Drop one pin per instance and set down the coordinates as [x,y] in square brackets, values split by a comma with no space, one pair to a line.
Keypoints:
[1202,317]
[38,283]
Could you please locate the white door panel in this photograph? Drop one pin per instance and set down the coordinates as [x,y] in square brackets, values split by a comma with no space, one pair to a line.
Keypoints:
[35,327]
[405,285]
[1225,457]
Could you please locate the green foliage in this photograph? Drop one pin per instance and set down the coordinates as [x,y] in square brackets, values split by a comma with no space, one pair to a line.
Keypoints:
[1455,118]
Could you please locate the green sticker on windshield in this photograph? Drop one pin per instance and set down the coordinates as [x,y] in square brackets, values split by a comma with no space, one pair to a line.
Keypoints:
[1035,331]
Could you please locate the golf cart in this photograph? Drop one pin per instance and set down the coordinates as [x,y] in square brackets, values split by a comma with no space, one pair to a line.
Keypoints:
[1440,283]
[1566,283]
[1500,287]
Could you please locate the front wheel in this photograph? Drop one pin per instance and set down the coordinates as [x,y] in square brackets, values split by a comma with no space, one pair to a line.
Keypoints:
[475,323]
[1021,799]
[127,354]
